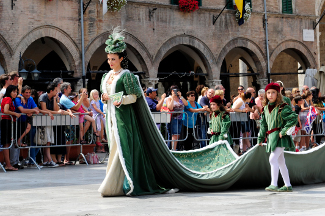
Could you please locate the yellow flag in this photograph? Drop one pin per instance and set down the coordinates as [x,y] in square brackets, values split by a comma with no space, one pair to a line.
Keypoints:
[240,5]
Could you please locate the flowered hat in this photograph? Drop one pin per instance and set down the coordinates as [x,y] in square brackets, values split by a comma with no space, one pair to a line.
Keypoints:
[115,42]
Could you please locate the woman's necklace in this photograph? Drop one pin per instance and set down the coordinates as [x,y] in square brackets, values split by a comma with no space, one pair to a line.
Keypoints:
[115,74]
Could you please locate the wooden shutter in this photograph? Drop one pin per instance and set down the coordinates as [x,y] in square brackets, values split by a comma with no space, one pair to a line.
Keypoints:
[174,2]
[230,4]
[200,3]
[287,6]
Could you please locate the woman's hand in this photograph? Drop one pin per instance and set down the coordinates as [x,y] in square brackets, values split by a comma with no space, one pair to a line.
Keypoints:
[18,115]
[105,97]
[280,135]
[179,94]
[115,103]
[260,144]
[103,115]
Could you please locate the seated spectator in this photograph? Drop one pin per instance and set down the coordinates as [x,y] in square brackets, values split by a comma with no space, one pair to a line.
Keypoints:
[189,119]
[242,126]
[98,115]
[25,123]
[176,103]
[298,103]
[7,123]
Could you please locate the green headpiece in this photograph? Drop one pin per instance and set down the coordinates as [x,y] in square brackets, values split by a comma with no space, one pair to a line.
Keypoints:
[115,42]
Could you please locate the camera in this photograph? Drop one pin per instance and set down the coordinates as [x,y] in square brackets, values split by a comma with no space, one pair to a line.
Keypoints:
[175,91]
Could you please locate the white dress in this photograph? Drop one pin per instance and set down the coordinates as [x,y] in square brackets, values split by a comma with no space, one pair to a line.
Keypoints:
[112,185]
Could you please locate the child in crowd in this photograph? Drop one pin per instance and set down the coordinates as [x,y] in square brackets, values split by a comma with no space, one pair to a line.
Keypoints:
[99,116]
[298,101]
[277,119]
[219,121]
[7,123]
[84,116]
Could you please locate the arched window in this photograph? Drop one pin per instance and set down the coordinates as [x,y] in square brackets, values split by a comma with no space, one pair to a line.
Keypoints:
[287,6]
[175,2]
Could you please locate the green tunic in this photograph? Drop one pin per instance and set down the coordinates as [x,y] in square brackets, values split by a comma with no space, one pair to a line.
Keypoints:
[220,123]
[281,117]
[137,169]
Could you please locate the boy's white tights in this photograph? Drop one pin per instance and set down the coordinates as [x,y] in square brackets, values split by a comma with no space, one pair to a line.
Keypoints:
[277,161]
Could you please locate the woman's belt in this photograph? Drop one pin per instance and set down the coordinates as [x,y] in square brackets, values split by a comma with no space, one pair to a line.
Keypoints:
[271,131]
[215,133]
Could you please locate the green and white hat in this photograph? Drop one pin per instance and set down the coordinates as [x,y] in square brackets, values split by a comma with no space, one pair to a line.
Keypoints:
[115,42]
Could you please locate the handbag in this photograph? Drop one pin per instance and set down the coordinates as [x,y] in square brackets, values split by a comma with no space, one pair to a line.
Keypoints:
[40,137]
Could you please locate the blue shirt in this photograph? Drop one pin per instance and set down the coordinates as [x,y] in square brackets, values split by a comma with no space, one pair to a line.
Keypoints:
[152,104]
[190,115]
[30,104]
[204,101]
[66,102]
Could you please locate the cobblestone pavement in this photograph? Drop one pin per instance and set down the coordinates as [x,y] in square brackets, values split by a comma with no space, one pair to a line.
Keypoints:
[72,190]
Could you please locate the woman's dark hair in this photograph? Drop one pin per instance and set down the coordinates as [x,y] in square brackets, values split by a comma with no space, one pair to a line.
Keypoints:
[34,95]
[10,89]
[297,99]
[125,61]
[190,93]
[245,95]
[315,93]
[221,107]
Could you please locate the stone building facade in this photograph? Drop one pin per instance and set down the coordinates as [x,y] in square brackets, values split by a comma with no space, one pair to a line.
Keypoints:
[38,28]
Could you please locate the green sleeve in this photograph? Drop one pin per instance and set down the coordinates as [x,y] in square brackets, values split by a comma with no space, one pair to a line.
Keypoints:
[225,125]
[131,85]
[290,119]
[287,100]
[263,129]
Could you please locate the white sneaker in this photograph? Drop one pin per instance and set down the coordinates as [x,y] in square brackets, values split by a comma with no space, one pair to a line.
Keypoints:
[52,165]
[303,148]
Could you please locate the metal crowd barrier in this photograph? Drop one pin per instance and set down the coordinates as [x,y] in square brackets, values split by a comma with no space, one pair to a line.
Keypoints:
[44,127]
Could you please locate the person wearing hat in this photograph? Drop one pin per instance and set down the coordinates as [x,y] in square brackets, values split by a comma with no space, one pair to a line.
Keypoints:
[219,123]
[153,104]
[277,120]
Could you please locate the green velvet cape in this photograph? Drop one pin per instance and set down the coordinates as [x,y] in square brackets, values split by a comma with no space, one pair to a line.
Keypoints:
[212,168]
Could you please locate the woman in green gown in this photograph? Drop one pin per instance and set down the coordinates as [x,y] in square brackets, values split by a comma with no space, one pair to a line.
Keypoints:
[129,171]
[219,121]
[277,119]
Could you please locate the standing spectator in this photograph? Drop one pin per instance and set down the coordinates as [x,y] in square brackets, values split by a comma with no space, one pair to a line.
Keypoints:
[7,107]
[48,103]
[203,94]
[176,102]
[242,126]
[259,100]
[189,119]
[5,81]
[198,90]
[98,115]
[297,139]
[25,122]
[240,90]
[16,80]
[295,92]
[153,104]
[220,87]
[253,115]
[202,119]
[304,89]
[307,96]
[285,98]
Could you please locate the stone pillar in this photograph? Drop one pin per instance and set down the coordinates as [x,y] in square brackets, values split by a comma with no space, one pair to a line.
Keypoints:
[212,83]
[243,79]
[263,83]
[150,82]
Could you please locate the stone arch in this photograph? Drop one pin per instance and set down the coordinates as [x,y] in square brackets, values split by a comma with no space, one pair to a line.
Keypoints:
[135,45]
[5,51]
[199,46]
[301,53]
[250,47]
[69,47]
[319,7]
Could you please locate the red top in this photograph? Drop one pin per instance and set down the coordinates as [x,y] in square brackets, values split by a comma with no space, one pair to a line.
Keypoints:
[7,100]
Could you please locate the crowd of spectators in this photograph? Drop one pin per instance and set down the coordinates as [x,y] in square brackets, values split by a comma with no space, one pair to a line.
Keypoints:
[187,130]
[19,103]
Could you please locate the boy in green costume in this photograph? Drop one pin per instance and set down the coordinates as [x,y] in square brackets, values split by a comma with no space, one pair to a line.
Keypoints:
[277,119]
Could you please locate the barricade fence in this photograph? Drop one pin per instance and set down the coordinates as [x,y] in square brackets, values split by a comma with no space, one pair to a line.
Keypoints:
[42,131]
[177,128]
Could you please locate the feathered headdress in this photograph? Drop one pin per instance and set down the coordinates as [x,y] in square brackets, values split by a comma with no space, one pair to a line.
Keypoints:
[115,42]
